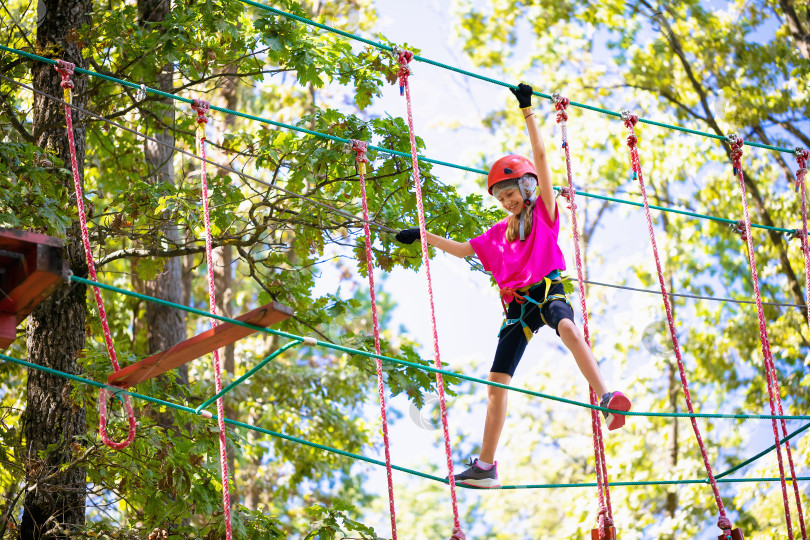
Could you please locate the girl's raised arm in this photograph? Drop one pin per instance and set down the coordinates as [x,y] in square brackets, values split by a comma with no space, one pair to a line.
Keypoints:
[523,93]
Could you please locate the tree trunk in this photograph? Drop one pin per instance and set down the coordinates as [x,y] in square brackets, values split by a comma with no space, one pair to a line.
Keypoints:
[165,326]
[55,502]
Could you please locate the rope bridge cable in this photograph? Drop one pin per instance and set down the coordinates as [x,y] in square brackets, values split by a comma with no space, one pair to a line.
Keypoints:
[727,221]
[497,82]
[290,438]
[384,227]
[431,369]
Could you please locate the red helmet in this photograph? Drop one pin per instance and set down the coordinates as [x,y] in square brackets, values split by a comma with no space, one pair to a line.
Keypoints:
[509,167]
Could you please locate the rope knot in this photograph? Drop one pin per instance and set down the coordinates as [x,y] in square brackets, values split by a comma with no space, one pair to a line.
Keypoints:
[801,159]
[560,104]
[632,139]
[360,148]
[801,235]
[403,56]
[630,120]
[739,228]
[568,193]
[458,534]
[507,292]
[724,523]
[736,142]
[65,69]
[201,108]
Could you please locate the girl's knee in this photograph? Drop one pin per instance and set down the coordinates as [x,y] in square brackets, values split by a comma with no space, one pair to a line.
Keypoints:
[567,327]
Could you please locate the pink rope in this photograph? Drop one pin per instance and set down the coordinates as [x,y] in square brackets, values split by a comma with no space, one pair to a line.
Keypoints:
[605,515]
[201,108]
[360,148]
[770,369]
[801,159]
[65,69]
[404,57]
[723,522]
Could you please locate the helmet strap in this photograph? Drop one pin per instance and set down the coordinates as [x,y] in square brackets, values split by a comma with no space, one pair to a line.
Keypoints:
[522,226]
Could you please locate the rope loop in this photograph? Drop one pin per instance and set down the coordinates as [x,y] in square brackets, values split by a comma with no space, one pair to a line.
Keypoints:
[103,395]
[724,524]
[458,534]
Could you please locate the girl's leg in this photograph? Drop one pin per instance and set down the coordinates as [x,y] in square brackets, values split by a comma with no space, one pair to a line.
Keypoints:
[496,415]
[575,341]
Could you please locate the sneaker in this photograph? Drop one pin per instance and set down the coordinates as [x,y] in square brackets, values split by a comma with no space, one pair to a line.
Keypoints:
[618,402]
[478,477]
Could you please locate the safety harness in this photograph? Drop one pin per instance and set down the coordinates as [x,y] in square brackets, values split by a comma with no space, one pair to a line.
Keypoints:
[522,297]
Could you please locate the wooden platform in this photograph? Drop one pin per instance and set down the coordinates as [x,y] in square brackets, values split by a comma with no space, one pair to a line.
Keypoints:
[200,345]
[31,267]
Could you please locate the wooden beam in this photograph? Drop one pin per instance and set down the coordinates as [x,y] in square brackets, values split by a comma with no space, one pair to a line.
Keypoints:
[210,340]
[31,267]
[8,329]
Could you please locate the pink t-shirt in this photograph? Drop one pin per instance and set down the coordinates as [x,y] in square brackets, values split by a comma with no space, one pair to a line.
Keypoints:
[518,264]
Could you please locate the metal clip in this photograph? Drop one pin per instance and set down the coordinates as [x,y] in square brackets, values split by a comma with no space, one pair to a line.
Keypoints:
[141,95]
[626,114]
[555,97]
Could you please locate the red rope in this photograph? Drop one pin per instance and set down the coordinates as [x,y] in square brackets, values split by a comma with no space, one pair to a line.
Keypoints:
[770,368]
[403,58]
[801,159]
[201,108]
[605,515]
[360,148]
[630,121]
[65,69]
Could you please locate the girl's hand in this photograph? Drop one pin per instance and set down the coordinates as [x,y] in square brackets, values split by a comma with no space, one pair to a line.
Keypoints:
[407,236]
[523,93]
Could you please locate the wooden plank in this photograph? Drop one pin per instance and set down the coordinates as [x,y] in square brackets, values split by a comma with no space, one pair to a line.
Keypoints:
[8,329]
[200,345]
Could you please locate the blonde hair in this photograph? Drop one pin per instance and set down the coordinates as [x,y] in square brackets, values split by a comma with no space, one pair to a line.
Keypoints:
[513,225]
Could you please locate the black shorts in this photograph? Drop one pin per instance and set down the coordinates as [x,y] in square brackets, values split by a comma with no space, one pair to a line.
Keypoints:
[512,339]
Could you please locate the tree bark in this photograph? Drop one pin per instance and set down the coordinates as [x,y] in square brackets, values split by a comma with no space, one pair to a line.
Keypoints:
[55,331]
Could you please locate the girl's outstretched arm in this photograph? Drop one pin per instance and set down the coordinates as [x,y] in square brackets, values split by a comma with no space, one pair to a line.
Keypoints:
[459,249]
[524,96]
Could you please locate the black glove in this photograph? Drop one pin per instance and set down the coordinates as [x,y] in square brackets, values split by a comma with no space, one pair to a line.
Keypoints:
[523,93]
[408,236]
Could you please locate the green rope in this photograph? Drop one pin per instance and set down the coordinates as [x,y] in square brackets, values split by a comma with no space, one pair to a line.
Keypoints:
[176,406]
[766,451]
[497,82]
[377,148]
[431,369]
[250,373]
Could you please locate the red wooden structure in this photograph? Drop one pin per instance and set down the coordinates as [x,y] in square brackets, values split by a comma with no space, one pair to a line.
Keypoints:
[610,534]
[31,266]
[200,345]
[736,534]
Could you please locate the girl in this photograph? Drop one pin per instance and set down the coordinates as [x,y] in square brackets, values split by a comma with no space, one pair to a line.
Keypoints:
[525,260]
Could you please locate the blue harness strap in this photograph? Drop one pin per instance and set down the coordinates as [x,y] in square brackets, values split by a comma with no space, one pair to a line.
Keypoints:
[548,282]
